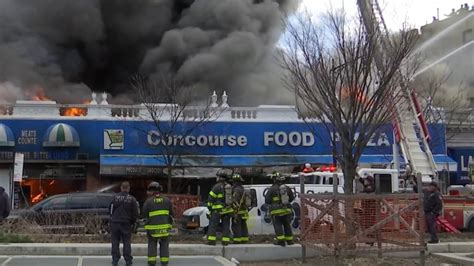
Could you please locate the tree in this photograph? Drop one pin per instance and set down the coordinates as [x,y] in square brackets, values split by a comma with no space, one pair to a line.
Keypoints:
[332,70]
[169,101]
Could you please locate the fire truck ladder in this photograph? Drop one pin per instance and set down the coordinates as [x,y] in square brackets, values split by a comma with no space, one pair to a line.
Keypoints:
[409,120]
[446,226]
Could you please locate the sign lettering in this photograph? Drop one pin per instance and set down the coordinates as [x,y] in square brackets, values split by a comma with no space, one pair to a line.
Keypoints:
[28,137]
[154,138]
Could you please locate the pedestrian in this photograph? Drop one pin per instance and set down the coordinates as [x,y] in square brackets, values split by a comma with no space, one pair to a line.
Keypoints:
[433,205]
[279,197]
[368,206]
[4,204]
[415,184]
[158,213]
[124,212]
[220,207]
[240,206]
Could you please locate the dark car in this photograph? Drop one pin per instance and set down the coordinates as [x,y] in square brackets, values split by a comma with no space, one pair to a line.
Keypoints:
[81,212]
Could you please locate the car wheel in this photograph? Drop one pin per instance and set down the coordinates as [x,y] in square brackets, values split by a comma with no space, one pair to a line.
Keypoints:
[470,227]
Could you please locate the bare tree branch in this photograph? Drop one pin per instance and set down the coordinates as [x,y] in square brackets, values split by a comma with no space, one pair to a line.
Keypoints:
[331,69]
[174,114]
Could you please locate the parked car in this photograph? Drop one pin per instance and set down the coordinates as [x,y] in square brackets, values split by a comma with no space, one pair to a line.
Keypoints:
[81,212]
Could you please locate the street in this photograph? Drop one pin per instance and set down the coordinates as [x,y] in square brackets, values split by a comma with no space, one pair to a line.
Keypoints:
[105,261]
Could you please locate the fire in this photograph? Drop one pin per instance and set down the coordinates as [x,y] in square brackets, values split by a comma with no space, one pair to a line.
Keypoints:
[36,93]
[76,111]
[41,196]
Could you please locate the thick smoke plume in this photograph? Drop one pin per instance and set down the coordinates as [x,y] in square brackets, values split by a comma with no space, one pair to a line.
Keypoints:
[70,47]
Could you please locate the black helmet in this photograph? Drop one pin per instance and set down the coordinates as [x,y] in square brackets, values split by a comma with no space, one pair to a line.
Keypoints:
[224,173]
[153,186]
[237,177]
[277,176]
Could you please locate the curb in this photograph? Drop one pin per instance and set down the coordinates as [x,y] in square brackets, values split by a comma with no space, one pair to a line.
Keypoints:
[243,253]
[451,247]
[248,252]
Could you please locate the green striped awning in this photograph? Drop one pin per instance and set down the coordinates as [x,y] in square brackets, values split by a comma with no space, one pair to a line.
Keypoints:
[61,135]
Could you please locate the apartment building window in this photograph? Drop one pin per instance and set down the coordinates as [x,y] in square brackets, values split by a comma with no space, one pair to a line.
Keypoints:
[467,36]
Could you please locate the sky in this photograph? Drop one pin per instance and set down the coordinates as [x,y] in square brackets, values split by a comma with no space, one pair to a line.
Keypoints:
[416,12]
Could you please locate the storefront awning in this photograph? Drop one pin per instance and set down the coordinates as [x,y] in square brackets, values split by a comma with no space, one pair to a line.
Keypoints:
[6,136]
[442,161]
[61,135]
[232,160]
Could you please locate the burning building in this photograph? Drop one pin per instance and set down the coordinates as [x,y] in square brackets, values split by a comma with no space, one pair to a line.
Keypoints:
[110,143]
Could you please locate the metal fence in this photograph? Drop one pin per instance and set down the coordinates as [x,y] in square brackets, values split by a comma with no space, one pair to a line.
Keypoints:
[350,224]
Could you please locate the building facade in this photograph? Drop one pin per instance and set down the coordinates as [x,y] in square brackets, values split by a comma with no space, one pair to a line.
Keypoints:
[110,143]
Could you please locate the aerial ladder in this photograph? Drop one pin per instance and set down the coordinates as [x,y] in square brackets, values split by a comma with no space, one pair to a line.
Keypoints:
[409,124]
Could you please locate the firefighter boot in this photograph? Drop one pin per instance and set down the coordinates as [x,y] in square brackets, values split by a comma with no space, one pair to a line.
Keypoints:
[279,242]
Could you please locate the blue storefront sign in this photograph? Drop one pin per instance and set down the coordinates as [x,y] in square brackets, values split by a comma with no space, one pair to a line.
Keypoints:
[123,142]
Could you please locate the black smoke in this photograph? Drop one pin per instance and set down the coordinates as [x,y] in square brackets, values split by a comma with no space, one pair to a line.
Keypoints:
[70,47]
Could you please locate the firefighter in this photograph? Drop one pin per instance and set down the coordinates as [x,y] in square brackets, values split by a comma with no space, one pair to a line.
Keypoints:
[240,205]
[124,211]
[158,213]
[279,197]
[307,168]
[220,207]
[368,206]
[433,205]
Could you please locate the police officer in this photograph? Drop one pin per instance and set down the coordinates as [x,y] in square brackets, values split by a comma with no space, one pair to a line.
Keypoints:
[433,205]
[220,206]
[279,198]
[124,211]
[158,213]
[240,206]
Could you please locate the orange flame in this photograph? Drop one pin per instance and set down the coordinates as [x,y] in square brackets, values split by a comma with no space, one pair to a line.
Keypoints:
[76,111]
[38,197]
[36,93]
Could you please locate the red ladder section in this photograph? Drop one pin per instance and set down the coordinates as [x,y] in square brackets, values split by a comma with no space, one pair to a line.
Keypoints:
[446,226]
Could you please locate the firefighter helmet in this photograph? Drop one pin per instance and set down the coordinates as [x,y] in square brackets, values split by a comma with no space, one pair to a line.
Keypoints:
[237,177]
[277,176]
[224,173]
[153,186]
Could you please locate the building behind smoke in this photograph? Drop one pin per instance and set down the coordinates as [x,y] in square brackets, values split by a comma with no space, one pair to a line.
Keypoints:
[447,47]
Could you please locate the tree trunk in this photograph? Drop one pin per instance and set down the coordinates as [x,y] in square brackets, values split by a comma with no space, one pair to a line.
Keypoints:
[349,170]
[170,176]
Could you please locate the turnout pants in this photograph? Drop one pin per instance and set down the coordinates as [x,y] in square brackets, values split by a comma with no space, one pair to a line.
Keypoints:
[214,221]
[283,228]
[239,229]
[431,226]
[164,250]
[121,232]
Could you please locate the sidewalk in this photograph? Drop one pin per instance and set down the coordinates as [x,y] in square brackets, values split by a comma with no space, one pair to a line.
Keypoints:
[248,252]
[105,261]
